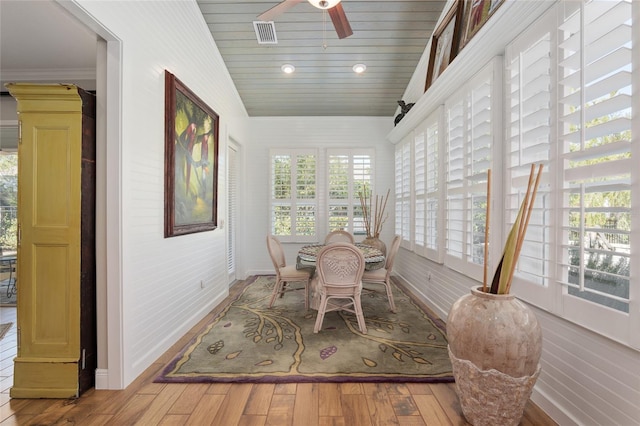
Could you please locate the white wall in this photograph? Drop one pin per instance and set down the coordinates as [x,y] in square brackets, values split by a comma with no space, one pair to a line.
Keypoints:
[159,279]
[295,132]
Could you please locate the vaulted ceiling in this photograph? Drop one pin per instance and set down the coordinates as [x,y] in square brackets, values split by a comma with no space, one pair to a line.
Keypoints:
[389,37]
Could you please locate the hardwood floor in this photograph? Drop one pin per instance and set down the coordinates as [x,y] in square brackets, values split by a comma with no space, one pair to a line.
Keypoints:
[308,404]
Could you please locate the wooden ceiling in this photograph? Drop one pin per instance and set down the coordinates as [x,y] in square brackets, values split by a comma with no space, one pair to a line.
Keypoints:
[389,36]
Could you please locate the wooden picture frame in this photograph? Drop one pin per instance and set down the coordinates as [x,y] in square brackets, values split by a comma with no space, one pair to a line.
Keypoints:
[191,161]
[444,43]
[476,14]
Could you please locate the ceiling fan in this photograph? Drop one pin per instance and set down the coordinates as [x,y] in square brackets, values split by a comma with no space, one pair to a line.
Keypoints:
[336,12]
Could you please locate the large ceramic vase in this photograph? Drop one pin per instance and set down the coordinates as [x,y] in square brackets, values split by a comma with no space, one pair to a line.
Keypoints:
[377,243]
[495,343]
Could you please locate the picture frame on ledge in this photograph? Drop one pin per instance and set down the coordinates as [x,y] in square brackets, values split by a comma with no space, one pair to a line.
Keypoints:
[191,161]
[445,43]
[476,14]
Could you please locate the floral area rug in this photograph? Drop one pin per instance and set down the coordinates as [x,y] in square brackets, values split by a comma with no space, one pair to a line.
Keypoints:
[248,342]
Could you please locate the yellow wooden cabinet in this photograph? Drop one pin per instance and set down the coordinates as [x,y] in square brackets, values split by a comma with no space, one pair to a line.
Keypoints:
[56,241]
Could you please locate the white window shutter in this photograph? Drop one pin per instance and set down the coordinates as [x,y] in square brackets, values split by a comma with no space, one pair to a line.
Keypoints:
[294,202]
[594,130]
[528,136]
[471,134]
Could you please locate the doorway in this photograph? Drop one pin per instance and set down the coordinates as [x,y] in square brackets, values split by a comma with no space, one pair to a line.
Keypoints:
[233,167]
[8,215]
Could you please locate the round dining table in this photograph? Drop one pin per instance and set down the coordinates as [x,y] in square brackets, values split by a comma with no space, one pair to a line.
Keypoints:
[373,258]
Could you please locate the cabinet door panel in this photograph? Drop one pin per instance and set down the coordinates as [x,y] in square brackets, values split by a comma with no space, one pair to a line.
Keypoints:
[49,217]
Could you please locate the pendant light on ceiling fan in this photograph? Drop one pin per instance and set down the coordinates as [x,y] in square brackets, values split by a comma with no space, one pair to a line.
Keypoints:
[324,4]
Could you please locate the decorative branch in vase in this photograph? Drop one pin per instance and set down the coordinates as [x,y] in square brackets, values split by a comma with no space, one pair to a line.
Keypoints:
[374,217]
[501,283]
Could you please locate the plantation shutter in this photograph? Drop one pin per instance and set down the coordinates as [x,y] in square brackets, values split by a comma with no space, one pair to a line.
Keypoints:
[419,177]
[362,183]
[426,188]
[350,173]
[293,198]
[403,190]
[470,153]
[434,229]
[456,187]
[338,178]
[406,195]
[594,131]
[528,141]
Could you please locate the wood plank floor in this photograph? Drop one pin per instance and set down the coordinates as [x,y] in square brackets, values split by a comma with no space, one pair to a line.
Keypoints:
[308,404]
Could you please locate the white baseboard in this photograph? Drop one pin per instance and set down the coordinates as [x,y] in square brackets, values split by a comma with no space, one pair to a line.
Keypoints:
[554,411]
[260,272]
[102,378]
[423,298]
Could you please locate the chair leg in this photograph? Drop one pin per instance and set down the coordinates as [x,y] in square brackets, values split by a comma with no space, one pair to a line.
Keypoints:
[321,309]
[306,294]
[277,289]
[392,304]
[359,315]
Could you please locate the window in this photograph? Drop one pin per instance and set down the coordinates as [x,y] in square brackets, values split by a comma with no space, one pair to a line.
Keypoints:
[579,242]
[8,199]
[298,213]
[403,191]
[594,136]
[294,201]
[349,175]
[528,73]
[428,229]
[470,133]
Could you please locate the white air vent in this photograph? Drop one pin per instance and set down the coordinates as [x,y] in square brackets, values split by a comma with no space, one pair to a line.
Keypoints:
[265,32]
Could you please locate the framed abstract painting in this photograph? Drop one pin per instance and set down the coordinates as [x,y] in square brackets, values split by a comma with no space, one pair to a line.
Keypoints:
[191,161]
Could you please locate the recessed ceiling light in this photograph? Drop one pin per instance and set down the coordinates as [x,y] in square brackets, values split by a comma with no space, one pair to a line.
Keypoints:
[359,68]
[288,68]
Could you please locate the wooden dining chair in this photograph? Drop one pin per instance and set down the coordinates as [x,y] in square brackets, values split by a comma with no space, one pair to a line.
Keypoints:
[339,277]
[383,275]
[339,236]
[284,273]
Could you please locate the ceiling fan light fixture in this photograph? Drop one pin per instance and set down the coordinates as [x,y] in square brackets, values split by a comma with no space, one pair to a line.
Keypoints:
[324,4]
[287,68]
[359,68]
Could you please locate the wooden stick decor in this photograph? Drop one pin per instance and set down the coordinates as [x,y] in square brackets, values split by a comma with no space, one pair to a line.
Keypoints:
[486,233]
[376,220]
[503,276]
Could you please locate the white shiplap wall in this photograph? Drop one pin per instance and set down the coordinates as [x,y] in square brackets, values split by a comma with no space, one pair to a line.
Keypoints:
[296,132]
[160,282]
[586,378]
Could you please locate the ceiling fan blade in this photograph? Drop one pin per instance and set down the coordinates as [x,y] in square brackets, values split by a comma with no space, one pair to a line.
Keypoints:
[278,9]
[340,21]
